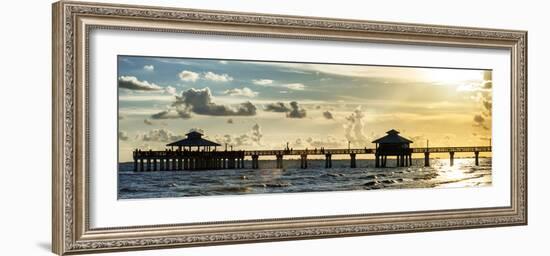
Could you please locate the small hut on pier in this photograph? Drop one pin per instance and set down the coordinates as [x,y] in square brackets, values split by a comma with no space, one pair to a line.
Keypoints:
[393,145]
[194,139]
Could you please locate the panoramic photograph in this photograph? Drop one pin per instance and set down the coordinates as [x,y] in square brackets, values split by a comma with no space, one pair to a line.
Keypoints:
[217,127]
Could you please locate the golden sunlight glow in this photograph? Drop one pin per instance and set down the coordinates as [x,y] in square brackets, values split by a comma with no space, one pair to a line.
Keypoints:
[452,76]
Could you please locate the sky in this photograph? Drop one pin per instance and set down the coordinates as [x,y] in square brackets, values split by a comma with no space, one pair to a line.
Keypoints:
[265,105]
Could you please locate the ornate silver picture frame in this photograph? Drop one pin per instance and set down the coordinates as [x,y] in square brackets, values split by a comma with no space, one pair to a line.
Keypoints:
[73,22]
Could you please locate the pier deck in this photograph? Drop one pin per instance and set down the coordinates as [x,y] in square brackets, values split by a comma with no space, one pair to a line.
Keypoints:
[207,160]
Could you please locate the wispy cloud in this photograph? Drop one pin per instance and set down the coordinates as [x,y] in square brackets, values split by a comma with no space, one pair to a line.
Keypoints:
[262,81]
[171,114]
[294,86]
[271,83]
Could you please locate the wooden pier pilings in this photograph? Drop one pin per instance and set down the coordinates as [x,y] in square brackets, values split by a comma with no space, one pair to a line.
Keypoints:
[176,160]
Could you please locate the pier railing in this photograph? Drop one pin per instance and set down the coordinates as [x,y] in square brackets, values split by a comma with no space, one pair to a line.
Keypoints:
[361,151]
[452,149]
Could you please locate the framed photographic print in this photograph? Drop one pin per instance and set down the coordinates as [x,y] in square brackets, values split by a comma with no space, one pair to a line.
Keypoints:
[178,127]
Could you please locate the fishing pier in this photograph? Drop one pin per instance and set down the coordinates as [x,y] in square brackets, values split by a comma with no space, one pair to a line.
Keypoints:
[196,153]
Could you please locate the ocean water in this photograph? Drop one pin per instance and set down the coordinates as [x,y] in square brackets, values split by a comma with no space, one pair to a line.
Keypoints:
[291,178]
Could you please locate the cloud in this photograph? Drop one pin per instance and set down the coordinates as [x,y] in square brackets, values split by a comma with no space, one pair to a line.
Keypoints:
[200,101]
[250,138]
[256,134]
[298,143]
[269,82]
[354,128]
[149,67]
[262,81]
[147,122]
[479,121]
[171,114]
[216,77]
[419,139]
[223,62]
[245,92]
[122,135]
[132,83]
[160,135]
[296,111]
[293,111]
[170,90]
[294,86]
[487,85]
[276,107]
[485,97]
[329,142]
[328,115]
[188,76]
[233,140]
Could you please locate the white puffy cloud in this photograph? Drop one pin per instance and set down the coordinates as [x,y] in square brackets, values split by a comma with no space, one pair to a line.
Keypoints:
[149,67]
[245,92]
[132,83]
[170,90]
[217,77]
[188,76]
